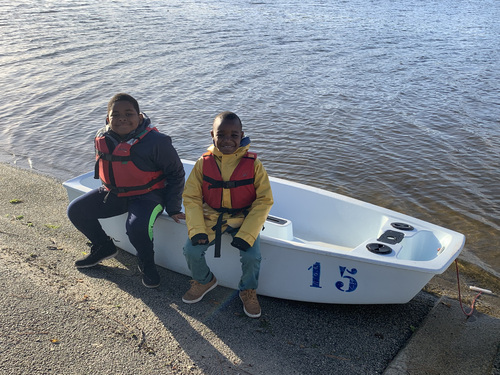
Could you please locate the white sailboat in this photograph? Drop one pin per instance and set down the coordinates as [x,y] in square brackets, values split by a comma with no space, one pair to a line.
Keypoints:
[317,246]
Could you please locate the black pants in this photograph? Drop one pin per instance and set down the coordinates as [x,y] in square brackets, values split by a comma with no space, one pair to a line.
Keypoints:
[143,210]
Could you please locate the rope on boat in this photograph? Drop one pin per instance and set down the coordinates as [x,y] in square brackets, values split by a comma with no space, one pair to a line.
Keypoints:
[460,295]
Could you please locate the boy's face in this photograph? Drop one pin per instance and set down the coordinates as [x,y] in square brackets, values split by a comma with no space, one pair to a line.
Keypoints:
[227,135]
[123,118]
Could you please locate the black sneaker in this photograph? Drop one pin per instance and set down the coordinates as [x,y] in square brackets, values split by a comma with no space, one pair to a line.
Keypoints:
[98,253]
[150,276]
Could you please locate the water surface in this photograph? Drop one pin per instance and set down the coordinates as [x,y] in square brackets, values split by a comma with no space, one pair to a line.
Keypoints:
[391,102]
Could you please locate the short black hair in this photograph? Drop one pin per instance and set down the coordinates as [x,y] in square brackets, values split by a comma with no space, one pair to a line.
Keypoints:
[122,97]
[227,115]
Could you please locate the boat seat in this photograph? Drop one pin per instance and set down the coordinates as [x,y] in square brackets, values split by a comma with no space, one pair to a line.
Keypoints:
[278,227]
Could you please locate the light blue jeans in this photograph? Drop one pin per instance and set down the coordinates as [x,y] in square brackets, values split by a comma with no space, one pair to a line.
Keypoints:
[250,262]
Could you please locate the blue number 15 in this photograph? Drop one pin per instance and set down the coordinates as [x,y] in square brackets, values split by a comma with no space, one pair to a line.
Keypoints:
[353,284]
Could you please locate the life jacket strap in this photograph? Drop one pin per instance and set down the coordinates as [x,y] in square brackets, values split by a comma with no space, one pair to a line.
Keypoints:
[119,190]
[217,228]
[96,169]
[215,184]
[111,157]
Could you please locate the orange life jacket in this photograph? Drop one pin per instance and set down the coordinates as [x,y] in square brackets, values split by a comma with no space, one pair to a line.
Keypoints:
[118,172]
[241,183]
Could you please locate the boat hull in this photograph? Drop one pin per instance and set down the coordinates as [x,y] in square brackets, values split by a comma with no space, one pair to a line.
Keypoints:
[323,258]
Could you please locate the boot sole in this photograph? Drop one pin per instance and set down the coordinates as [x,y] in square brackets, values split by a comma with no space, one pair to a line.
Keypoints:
[151,286]
[143,283]
[99,261]
[248,314]
[251,315]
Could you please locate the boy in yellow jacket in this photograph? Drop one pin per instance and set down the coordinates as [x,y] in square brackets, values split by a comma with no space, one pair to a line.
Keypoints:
[228,191]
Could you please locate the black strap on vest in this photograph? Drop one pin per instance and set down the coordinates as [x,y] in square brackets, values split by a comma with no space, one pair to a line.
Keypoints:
[217,184]
[96,169]
[218,235]
[119,190]
[110,157]
[217,228]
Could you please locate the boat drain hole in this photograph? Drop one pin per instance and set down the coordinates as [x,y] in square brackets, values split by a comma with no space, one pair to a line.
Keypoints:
[378,248]
[402,226]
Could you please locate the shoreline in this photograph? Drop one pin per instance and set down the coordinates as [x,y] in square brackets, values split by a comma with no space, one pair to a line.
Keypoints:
[57,315]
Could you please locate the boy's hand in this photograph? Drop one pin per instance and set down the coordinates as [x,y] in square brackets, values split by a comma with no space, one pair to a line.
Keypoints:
[199,239]
[240,244]
[178,217]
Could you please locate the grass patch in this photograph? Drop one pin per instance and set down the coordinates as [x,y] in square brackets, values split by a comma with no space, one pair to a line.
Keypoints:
[51,226]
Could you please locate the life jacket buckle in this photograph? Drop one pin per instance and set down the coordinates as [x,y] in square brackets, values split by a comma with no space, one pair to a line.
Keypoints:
[229,184]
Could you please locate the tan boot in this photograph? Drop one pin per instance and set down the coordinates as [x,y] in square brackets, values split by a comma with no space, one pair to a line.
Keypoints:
[251,305]
[198,291]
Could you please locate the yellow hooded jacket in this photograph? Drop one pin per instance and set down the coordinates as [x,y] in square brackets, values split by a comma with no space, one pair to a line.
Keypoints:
[200,217]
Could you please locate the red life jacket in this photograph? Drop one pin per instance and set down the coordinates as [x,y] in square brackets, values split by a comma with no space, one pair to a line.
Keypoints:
[241,183]
[118,172]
